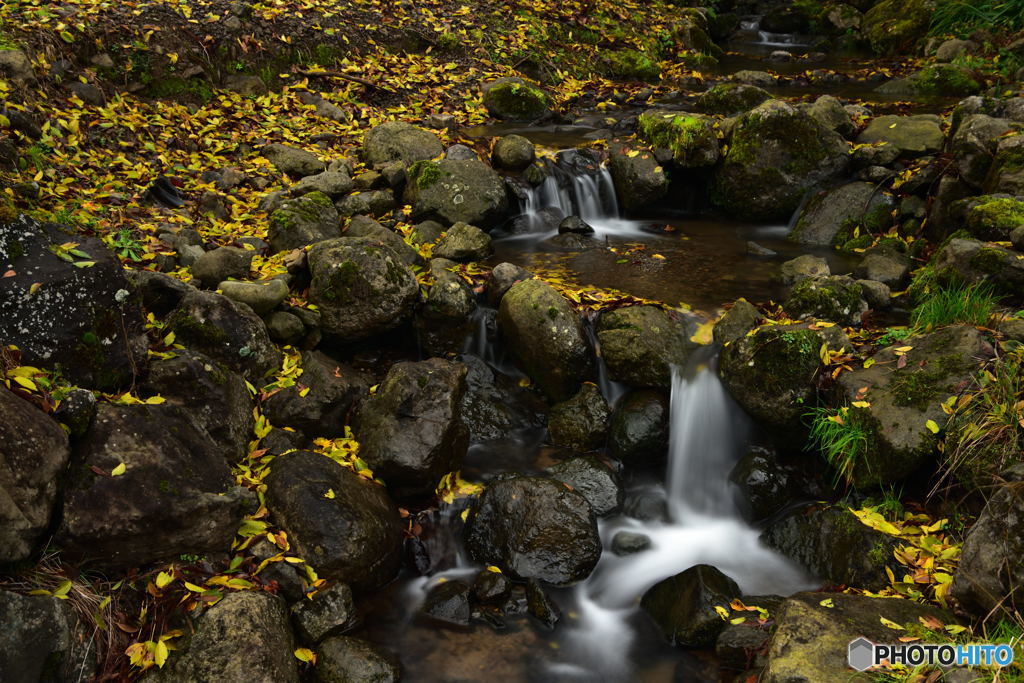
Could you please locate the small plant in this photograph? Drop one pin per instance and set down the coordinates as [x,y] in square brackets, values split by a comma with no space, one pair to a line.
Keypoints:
[894,334]
[970,304]
[889,504]
[841,437]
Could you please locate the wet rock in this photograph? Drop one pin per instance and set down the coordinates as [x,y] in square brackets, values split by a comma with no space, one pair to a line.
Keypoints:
[214,395]
[771,373]
[364,226]
[974,146]
[730,99]
[534,528]
[892,270]
[738,320]
[540,604]
[834,545]
[355,537]
[596,481]
[829,112]
[330,612]
[575,225]
[683,606]
[460,153]
[546,336]
[87,321]
[244,637]
[297,163]
[176,494]
[513,153]
[361,287]
[446,318]
[831,217]
[581,423]
[410,430]
[501,279]
[913,136]
[302,221]
[802,268]
[738,645]
[320,402]
[38,642]
[76,411]
[331,184]
[494,406]
[284,327]
[771,162]
[639,179]
[513,99]
[811,640]
[399,141]
[628,543]
[639,427]
[33,454]
[452,191]
[905,395]
[342,659]
[217,265]
[491,587]
[690,140]
[648,506]
[225,331]
[640,344]
[766,485]
[892,25]
[836,298]
[465,243]
[989,576]
[447,604]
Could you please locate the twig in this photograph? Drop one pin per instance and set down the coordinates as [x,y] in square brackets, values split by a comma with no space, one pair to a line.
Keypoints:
[347,77]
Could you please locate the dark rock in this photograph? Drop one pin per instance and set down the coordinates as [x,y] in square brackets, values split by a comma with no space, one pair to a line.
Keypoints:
[766,485]
[534,528]
[447,604]
[972,261]
[330,612]
[297,163]
[38,643]
[284,327]
[76,411]
[738,320]
[302,221]
[1006,174]
[738,645]
[830,113]
[331,390]
[501,279]
[831,217]
[575,225]
[628,543]
[646,505]
[410,430]
[160,293]
[215,266]
[364,226]
[639,178]
[495,406]
[581,423]
[513,99]
[836,298]
[372,203]
[176,494]
[332,184]
[460,153]
[342,659]
[892,270]
[683,606]
[463,242]
[513,153]
[427,232]
[974,146]
[452,191]
[598,483]
[640,344]
[446,319]
[355,537]
[730,99]
[399,141]
[540,604]
[491,587]
[639,428]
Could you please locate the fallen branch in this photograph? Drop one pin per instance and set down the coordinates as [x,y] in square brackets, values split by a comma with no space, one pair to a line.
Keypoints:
[347,77]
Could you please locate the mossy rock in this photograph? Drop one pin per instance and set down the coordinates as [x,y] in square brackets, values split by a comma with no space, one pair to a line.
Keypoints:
[513,99]
[837,215]
[894,25]
[641,344]
[729,99]
[994,218]
[692,139]
[835,298]
[946,79]
[452,191]
[1006,174]
[303,221]
[632,65]
[581,423]
[968,260]
[399,141]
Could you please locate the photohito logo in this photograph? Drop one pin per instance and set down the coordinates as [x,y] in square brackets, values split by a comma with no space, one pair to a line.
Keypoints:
[863,654]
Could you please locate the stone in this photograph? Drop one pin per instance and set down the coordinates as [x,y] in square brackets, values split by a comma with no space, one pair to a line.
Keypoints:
[575,225]
[354,536]
[638,433]
[641,344]
[953,48]
[974,146]
[331,611]
[513,99]
[302,221]
[447,604]
[16,65]
[596,481]
[742,317]
[215,266]
[38,641]
[691,140]
[513,153]
[540,605]
[761,79]
[463,242]
[284,327]
[972,261]
[802,268]
[892,270]
[829,112]
[452,191]
[176,494]
[581,423]
[332,184]
[836,298]
[913,136]
[160,293]
[291,161]
[261,297]
[639,179]
[830,218]
[683,606]
[76,411]
[399,141]
[893,25]
[627,543]
[373,203]
[491,587]
[326,393]
[343,659]
[731,99]
[364,226]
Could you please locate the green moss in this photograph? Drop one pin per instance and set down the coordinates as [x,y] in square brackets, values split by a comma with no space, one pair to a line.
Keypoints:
[920,387]
[946,79]
[826,299]
[676,132]
[421,381]
[552,312]
[341,278]
[880,554]
[989,260]
[189,329]
[996,218]
[633,64]
[787,357]
[519,100]
[425,173]
[729,98]
[175,87]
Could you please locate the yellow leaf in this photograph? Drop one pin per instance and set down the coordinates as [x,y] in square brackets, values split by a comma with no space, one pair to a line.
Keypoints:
[163,579]
[861,404]
[62,590]
[119,470]
[492,568]
[304,654]
[26,382]
[823,353]
[194,588]
[737,620]
[827,602]
[722,612]
[160,653]
[890,624]
[868,363]
[932,427]
[704,333]
[329,494]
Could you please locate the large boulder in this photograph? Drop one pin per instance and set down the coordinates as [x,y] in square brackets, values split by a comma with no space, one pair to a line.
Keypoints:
[836,298]
[641,344]
[595,480]
[903,396]
[217,265]
[992,559]
[38,641]
[214,395]
[361,287]
[546,336]
[685,606]
[730,99]
[1006,174]
[989,217]
[65,303]
[912,136]
[33,455]
[456,190]
[354,535]
[581,423]
[813,633]
[967,260]
[513,99]
[639,178]
[513,153]
[495,406]
[831,217]
[446,319]
[227,332]
[776,153]
[833,545]
[321,399]
[302,221]
[175,493]
[244,637]
[364,226]
[534,529]
[973,145]
[690,139]
[638,433]
[893,25]
[410,431]
[399,141]
[463,242]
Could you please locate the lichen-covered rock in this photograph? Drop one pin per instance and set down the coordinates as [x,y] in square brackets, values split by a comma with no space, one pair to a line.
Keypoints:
[318,405]
[684,606]
[904,396]
[776,153]
[303,221]
[332,184]
[831,217]
[638,433]
[692,140]
[640,344]
[176,494]
[33,455]
[913,136]
[372,203]
[399,141]
[581,423]
[513,99]
[546,336]
[453,191]
[803,267]
[226,331]
[730,99]
[361,287]
[295,162]
[354,536]
[893,25]
[463,242]
[244,637]
[410,431]
[974,261]
[343,659]
[596,481]
[639,178]
[85,320]
[534,528]
[836,298]
[973,145]
[513,153]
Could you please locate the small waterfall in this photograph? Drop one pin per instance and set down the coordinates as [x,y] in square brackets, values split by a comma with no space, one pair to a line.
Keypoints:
[570,189]
[610,389]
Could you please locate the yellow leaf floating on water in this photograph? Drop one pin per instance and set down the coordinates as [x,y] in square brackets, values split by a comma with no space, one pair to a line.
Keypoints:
[704,333]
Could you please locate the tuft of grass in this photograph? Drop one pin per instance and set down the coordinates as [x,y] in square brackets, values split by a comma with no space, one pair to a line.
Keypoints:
[963,17]
[889,503]
[841,437]
[953,303]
